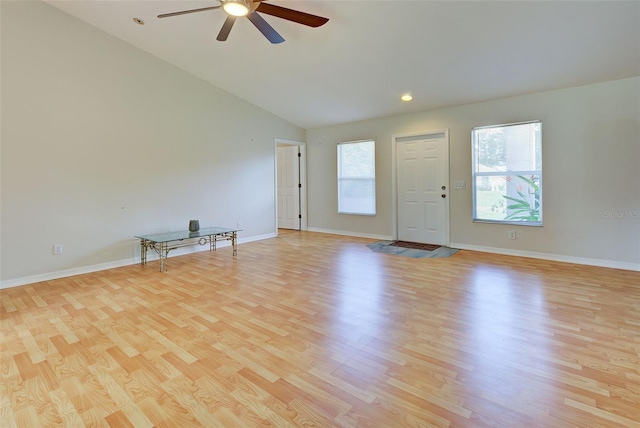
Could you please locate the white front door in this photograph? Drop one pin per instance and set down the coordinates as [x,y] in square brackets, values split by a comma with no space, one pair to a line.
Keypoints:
[288,187]
[423,188]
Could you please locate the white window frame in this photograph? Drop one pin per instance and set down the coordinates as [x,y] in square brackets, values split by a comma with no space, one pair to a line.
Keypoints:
[526,173]
[343,178]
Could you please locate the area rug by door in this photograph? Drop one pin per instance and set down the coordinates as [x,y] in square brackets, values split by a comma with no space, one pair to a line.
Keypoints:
[387,247]
[415,245]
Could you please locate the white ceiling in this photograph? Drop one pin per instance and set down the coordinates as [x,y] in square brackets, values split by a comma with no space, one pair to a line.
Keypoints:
[356,66]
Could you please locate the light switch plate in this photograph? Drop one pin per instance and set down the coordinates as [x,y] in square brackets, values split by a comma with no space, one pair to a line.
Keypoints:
[458,185]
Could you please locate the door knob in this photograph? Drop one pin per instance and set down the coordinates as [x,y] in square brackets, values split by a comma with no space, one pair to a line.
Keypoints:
[443,196]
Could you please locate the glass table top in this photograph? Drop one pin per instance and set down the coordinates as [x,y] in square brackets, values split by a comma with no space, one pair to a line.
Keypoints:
[185,234]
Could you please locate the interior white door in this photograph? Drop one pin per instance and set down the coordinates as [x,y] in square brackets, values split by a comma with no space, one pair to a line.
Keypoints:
[288,187]
[423,188]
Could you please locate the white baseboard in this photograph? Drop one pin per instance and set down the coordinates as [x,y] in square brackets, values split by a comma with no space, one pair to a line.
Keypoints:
[531,254]
[255,238]
[354,234]
[16,282]
[553,257]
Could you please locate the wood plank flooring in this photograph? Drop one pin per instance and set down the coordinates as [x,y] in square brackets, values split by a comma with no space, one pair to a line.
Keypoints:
[312,329]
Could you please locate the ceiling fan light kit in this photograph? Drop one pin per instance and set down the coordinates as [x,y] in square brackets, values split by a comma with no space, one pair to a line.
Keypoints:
[236,7]
[250,9]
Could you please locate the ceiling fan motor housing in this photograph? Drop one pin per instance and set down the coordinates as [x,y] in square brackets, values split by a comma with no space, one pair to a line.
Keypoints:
[236,7]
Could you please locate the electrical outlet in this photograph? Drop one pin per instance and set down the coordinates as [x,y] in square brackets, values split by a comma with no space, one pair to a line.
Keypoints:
[326,217]
[512,234]
[239,226]
[57,249]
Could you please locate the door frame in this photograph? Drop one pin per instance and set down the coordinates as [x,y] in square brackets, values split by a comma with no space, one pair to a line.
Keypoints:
[303,180]
[394,176]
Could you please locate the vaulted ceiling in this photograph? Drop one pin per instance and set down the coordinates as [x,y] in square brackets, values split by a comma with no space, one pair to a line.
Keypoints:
[357,66]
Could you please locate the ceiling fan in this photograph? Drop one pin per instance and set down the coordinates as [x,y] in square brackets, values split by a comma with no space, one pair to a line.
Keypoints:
[250,9]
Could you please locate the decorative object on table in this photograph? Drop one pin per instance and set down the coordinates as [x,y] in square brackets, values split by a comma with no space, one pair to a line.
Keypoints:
[194,225]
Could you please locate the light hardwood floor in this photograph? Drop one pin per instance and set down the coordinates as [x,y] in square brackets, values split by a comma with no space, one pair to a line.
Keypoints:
[312,329]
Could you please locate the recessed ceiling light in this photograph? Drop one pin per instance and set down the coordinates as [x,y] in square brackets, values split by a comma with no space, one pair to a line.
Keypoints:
[406,97]
[138,21]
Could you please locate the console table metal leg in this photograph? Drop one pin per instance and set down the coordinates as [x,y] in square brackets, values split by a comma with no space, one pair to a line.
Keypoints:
[234,244]
[163,255]
[143,252]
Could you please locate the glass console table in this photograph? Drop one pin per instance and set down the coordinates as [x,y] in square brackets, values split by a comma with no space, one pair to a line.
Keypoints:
[162,243]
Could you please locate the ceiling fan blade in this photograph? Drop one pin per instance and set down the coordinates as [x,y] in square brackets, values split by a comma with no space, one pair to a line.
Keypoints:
[292,15]
[184,12]
[264,27]
[226,28]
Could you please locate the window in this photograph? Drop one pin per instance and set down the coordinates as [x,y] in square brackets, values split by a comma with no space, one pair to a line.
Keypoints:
[507,173]
[357,178]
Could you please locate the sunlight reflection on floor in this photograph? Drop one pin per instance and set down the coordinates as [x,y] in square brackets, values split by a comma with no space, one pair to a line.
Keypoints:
[497,325]
[360,286]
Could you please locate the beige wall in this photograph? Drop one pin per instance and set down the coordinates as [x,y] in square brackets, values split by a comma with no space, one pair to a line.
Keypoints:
[591,173]
[101,141]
